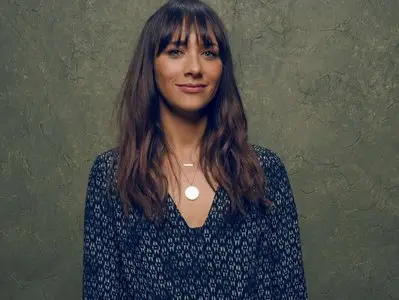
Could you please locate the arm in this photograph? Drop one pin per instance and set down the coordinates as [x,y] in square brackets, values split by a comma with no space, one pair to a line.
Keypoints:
[281,252]
[101,260]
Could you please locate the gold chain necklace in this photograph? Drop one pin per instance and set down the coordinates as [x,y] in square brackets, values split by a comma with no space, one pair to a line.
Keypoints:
[191,192]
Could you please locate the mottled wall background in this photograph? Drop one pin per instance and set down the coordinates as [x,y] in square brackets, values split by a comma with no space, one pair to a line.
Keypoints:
[320,83]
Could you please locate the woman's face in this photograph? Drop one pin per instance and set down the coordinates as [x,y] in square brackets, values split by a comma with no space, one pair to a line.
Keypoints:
[193,64]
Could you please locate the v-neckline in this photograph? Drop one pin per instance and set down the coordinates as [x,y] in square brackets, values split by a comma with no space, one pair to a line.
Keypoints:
[208,217]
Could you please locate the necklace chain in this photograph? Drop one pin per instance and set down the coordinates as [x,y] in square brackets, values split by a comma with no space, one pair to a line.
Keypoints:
[191,192]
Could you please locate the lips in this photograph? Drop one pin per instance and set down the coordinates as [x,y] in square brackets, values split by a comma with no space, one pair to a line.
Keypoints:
[191,88]
[192,85]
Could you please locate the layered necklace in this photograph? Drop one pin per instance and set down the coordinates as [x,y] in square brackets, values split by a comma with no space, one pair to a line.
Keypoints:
[191,192]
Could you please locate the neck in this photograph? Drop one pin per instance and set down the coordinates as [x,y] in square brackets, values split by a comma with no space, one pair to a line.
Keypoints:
[183,135]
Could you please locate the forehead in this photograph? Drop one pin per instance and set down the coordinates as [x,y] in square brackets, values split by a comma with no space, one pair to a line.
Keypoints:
[194,34]
[182,30]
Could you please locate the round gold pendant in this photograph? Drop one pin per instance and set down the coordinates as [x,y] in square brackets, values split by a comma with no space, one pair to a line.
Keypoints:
[191,192]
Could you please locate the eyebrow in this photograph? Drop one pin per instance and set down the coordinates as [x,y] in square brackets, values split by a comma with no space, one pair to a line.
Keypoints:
[184,43]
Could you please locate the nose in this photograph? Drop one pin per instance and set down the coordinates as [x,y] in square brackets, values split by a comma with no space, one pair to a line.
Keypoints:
[193,64]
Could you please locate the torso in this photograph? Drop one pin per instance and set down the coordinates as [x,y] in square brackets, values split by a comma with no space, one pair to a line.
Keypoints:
[247,259]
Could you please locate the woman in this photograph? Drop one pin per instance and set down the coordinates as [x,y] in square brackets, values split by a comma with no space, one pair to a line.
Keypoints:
[185,207]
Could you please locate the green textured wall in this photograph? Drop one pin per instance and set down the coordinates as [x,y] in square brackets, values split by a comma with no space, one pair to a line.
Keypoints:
[320,81]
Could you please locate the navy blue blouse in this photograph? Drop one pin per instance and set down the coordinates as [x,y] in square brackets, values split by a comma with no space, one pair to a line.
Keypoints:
[257,257]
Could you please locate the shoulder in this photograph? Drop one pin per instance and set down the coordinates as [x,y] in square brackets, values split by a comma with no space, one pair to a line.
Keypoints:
[100,205]
[106,158]
[269,160]
[276,176]
[105,161]
[103,168]
[101,188]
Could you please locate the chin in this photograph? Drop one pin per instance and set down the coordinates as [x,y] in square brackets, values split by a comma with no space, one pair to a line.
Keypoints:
[192,109]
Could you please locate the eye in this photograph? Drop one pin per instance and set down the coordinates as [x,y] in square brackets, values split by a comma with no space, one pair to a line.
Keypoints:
[211,54]
[174,52]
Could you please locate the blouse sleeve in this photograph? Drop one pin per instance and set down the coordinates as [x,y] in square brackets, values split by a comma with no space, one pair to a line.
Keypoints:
[101,259]
[280,250]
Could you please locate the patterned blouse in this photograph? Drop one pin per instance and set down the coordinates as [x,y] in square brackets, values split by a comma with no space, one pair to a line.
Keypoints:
[257,257]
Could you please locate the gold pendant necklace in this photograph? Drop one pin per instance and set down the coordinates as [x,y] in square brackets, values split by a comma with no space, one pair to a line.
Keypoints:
[191,192]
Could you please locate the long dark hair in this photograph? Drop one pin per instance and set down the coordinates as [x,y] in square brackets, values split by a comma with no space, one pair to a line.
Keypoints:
[224,150]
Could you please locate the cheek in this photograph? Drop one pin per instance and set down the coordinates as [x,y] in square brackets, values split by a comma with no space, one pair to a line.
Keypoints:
[217,78]
[163,73]
[169,72]
[165,77]
[216,70]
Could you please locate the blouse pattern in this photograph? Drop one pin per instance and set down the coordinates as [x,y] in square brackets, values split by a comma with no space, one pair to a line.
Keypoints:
[256,257]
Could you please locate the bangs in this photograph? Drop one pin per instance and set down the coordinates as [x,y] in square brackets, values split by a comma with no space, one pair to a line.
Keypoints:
[176,21]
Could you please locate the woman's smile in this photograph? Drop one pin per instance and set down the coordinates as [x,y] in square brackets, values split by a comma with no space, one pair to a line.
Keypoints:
[191,89]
